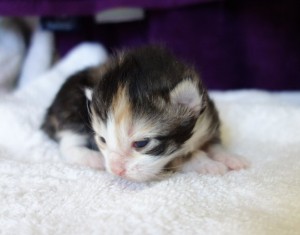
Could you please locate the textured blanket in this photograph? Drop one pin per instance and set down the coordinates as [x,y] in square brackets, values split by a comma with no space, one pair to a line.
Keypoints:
[39,194]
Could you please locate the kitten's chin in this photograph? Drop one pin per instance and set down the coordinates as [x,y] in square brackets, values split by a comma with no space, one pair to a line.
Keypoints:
[132,175]
[140,177]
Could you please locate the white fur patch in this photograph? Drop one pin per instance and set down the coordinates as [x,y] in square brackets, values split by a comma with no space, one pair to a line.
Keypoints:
[88,93]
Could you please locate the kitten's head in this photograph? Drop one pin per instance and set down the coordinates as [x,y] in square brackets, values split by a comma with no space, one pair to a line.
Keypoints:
[144,109]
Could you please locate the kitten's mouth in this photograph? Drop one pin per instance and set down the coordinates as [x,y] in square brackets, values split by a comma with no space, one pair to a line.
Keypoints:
[142,178]
[135,175]
[124,174]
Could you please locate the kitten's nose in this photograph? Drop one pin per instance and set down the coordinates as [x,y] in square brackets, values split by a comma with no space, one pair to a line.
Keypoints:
[118,169]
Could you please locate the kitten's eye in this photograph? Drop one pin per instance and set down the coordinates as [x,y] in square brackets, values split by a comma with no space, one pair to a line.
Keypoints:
[140,144]
[102,140]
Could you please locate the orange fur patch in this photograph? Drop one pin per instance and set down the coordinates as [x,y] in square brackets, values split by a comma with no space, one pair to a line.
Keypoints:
[121,110]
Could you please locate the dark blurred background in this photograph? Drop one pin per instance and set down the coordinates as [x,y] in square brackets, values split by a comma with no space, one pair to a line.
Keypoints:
[234,44]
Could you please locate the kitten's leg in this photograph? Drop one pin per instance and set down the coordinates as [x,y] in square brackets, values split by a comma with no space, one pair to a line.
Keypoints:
[234,162]
[202,164]
[73,149]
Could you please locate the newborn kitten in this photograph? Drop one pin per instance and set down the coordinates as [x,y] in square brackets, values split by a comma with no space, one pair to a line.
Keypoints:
[147,112]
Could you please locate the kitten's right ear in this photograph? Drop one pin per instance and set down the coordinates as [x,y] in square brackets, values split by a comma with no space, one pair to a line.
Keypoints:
[88,93]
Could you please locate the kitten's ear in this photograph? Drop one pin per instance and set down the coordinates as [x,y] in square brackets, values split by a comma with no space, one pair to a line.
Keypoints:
[187,93]
[88,93]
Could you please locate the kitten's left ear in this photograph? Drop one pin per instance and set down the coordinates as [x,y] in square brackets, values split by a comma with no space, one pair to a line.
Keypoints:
[88,93]
[187,93]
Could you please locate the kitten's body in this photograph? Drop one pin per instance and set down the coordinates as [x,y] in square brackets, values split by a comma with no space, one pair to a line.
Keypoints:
[147,112]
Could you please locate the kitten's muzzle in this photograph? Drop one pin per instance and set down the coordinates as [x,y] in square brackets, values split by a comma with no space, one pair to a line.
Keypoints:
[117,164]
[118,170]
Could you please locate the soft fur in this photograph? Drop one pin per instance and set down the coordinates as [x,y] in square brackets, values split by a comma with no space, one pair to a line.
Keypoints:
[143,96]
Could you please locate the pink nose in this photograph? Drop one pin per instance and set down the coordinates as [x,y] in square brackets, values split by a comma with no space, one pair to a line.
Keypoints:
[118,170]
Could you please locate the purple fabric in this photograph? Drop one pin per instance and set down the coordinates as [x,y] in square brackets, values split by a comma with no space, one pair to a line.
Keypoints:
[234,44]
[83,7]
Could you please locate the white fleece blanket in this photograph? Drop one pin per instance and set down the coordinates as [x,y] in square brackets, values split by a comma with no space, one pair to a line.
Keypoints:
[41,195]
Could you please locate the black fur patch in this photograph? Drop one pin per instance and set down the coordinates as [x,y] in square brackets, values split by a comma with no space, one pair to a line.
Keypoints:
[69,110]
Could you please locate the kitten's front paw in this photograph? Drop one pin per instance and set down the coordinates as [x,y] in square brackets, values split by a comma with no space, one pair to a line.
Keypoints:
[96,162]
[232,161]
[211,167]
[202,164]
[85,157]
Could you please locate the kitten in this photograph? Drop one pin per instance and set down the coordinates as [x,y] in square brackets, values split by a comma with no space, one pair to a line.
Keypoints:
[146,111]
